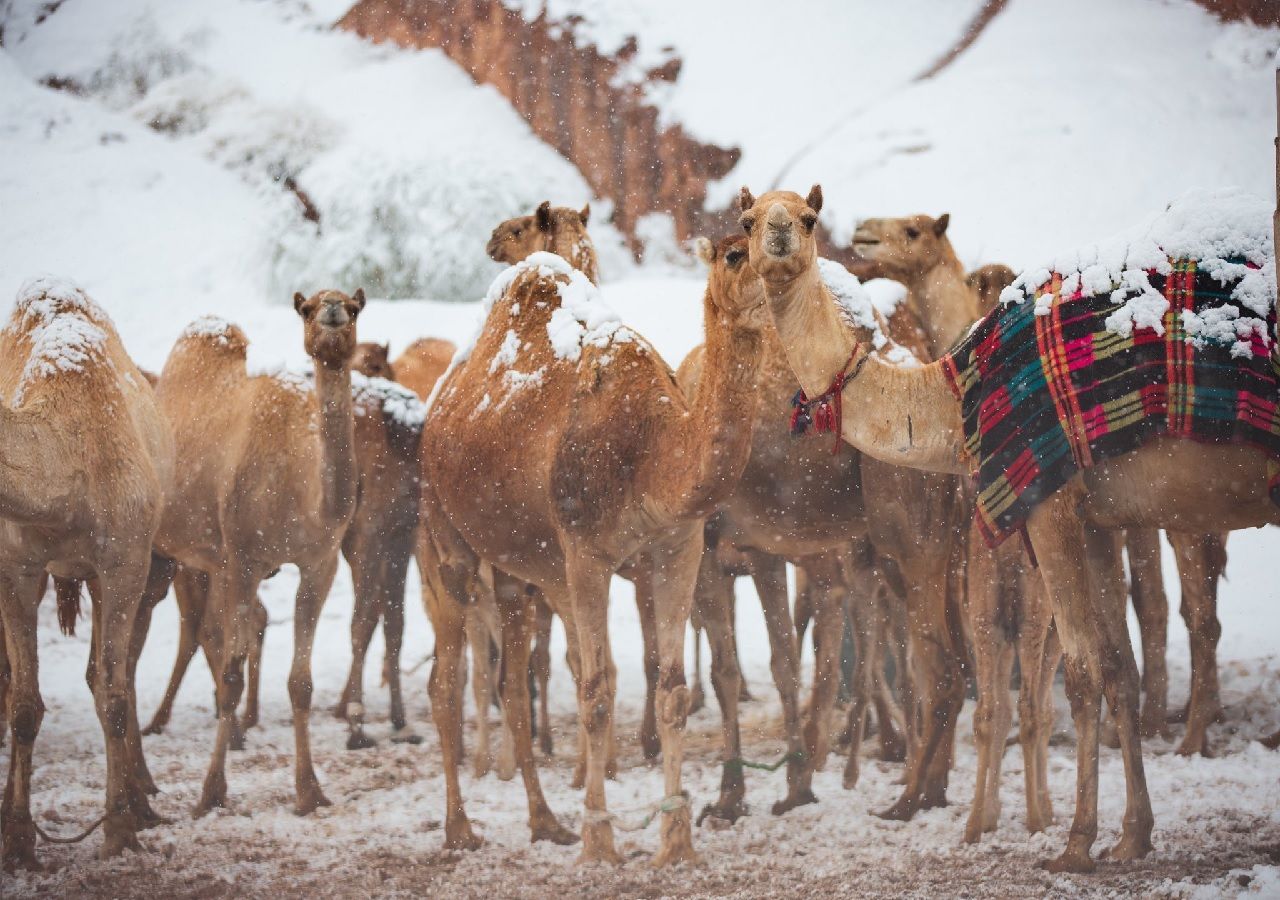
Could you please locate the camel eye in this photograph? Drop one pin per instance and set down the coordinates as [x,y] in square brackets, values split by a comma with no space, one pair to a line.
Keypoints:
[809,220]
[515,232]
[734,257]
[747,222]
[913,233]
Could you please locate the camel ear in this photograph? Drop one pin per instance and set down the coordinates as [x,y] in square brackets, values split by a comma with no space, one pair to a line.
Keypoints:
[585,214]
[386,349]
[745,199]
[298,300]
[705,250]
[542,215]
[815,198]
[940,224]
[358,296]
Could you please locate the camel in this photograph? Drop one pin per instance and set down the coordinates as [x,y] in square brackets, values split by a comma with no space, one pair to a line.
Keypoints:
[796,502]
[88,461]
[421,364]
[913,417]
[373,361]
[281,487]
[589,454]
[916,251]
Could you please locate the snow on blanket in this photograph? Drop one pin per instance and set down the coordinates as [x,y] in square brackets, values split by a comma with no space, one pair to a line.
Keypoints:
[66,332]
[1165,330]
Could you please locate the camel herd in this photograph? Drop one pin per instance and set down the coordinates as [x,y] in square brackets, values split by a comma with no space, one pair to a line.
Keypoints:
[525,470]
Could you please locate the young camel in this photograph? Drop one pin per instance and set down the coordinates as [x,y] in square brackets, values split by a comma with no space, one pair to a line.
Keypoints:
[590,454]
[280,488]
[88,459]
[916,251]
[913,417]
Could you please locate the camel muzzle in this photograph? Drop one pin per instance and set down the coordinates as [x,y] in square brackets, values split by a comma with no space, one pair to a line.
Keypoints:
[334,315]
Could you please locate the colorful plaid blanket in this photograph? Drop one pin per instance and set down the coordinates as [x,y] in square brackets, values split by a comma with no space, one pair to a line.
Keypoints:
[1047,388]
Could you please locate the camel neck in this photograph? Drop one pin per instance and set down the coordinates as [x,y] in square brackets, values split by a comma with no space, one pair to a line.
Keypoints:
[898,414]
[715,433]
[945,303]
[337,442]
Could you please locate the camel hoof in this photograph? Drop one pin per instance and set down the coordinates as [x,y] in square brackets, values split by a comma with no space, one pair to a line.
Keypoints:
[1070,862]
[1194,747]
[214,794]
[724,810]
[237,740]
[147,784]
[339,712]
[798,797]
[358,740]
[401,736]
[309,801]
[675,853]
[597,845]
[459,836]
[481,766]
[1128,849]
[972,832]
[611,770]
[553,831]
[116,839]
[250,720]
[153,728]
[20,846]
[902,811]
[22,861]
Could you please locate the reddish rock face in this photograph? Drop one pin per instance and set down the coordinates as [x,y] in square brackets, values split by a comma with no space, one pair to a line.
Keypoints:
[1259,12]
[571,98]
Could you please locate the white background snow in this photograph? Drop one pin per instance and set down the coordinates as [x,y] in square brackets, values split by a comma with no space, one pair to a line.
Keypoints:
[1063,124]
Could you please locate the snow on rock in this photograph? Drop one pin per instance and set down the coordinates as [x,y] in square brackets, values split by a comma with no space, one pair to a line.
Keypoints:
[1227,232]
[64,329]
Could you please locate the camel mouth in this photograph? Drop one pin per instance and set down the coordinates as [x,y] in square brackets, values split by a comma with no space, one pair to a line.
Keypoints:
[334,316]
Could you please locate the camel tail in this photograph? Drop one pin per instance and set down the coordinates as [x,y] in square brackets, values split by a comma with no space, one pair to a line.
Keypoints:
[68,593]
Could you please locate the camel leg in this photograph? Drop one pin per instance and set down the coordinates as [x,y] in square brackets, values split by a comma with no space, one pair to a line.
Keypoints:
[937,679]
[675,573]
[1039,662]
[159,577]
[989,644]
[540,665]
[258,619]
[890,719]
[478,637]
[770,576]
[1152,609]
[828,634]
[649,742]
[1201,560]
[364,621]
[232,593]
[1098,656]
[190,587]
[712,599]
[517,617]
[19,598]
[312,592]
[864,612]
[396,572]
[589,595]
[120,591]
[697,695]
[6,678]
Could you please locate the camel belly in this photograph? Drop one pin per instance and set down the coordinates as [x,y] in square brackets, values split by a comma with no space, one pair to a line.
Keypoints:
[1181,485]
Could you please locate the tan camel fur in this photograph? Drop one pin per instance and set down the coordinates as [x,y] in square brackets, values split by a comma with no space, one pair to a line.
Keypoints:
[910,416]
[280,488]
[422,363]
[374,360]
[594,461]
[988,281]
[86,460]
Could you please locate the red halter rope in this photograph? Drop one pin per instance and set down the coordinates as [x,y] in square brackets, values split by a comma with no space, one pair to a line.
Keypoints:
[825,412]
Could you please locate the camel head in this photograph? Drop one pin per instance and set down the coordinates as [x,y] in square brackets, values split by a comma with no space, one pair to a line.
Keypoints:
[329,326]
[906,248]
[373,361]
[780,228]
[554,229]
[733,285]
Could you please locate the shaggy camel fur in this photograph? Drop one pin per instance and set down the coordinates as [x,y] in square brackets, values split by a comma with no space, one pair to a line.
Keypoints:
[421,364]
[88,459]
[911,416]
[597,459]
[280,488]
[797,502]
[988,281]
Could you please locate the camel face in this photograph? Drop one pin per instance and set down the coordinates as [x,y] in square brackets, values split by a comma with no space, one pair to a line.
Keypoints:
[902,248]
[733,284]
[780,232]
[373,361]
[329,320]
[559,230]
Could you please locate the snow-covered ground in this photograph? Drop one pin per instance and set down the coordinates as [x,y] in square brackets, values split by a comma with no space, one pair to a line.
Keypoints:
[410,165]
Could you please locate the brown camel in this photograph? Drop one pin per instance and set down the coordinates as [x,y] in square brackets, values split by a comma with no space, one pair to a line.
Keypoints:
[374,361]
[279,488]
[916,251]
[88,459]
[560,462]
[799,502]
[913,417]
[421,364]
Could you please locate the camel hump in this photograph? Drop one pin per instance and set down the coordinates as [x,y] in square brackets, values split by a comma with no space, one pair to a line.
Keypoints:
[207,343]
[60,331]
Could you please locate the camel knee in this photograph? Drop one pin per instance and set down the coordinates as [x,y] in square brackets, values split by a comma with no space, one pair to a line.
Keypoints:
[114,709]
[232,685]
[675,705]
[300,691]
[25,721]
